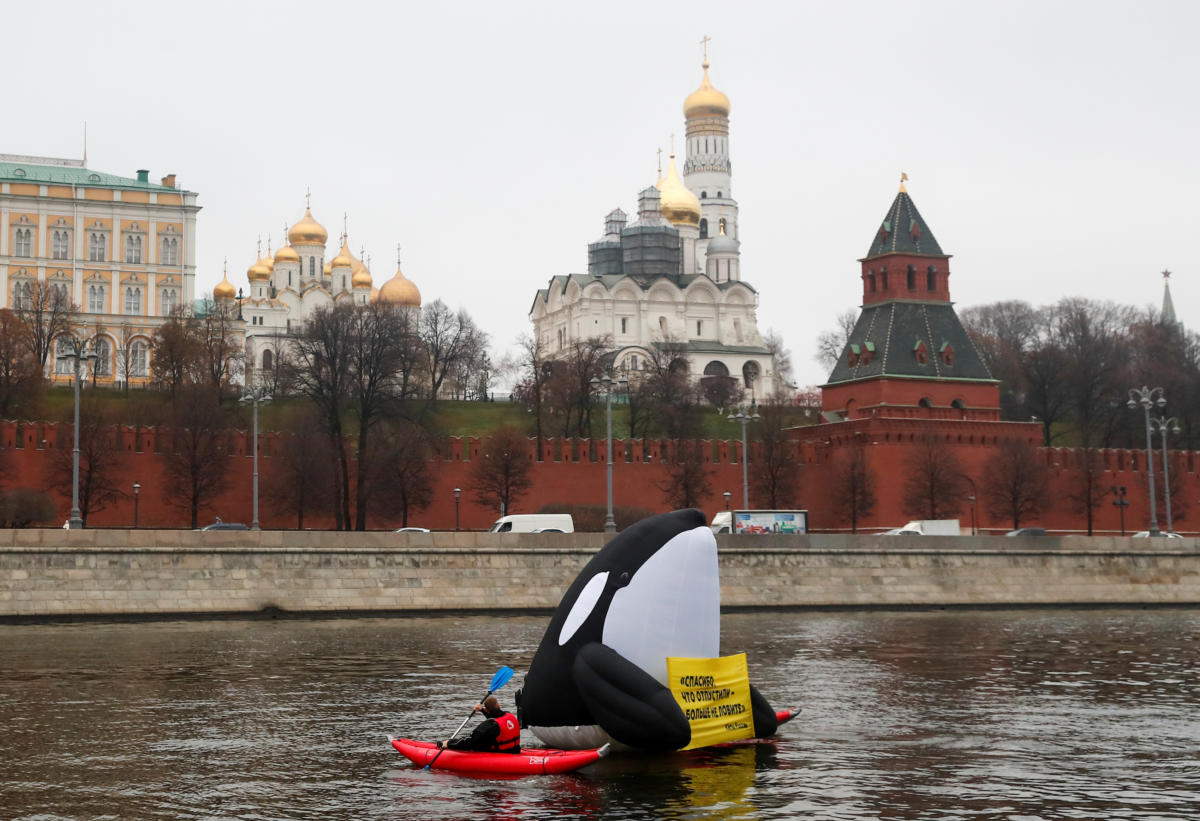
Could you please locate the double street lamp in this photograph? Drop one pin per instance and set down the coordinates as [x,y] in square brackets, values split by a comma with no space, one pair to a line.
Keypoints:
[1162,424]
[78,353]
[1147,398]
[1120,503]
[256,396]
[457,496]
[744,415]
[137,490]
[609,384]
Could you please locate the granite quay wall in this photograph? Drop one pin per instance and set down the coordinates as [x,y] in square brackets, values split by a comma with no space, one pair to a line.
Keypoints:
[99,573]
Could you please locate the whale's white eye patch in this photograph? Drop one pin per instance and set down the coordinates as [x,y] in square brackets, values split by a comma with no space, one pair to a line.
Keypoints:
[582,608]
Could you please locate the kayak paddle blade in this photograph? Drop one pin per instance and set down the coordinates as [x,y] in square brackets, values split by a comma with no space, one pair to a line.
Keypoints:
[501,678]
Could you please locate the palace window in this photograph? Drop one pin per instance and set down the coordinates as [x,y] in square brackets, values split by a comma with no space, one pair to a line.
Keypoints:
[624,325]
[60,245]
[703,228]
[95,300]
[931,279]
[58,296]
[23,296]
[133,300]
[103,362]
[96,247]
[24,244]
[699,328]
[139,358]
[62,347]
[133,249]
[170,251]
[911,278]
[168,301]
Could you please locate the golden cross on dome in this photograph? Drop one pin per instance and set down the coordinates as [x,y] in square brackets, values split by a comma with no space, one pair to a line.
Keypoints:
[307,199]
[1166,274]
[268,245]
[903,179]
[365,256]
[704,44]
[345,231]
[397,253]
[259,251]
[225,268]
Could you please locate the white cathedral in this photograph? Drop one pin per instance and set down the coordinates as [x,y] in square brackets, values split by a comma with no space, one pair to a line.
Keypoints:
[288,287]
[673,274]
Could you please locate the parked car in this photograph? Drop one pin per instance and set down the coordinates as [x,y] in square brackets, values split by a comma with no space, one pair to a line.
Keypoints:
[1027,531]
[412,530]
[1145,534]
[219,525]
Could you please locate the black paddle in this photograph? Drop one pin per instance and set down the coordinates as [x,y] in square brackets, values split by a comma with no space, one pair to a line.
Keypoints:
[499,680]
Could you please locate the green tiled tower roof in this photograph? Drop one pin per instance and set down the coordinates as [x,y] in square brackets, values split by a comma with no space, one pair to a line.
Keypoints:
[903,231]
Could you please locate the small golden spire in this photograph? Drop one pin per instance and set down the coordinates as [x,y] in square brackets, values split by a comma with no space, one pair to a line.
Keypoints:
[903,179]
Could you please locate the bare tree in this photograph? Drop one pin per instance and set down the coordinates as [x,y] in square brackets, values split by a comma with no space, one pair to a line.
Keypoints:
[536,370]
[20,376]
[689,477]
[174,353]
[570,389]
[220,346]
[1015,482]
[503,472]
[775,476]
[46,313]
[781,357]
[403,468]
[99,458]
[1095,338]
[300,481]
[1088,490]
[322,373]
[450,340]
[831,343]
[935,486]
[853,485]
[25,506]
[196,469]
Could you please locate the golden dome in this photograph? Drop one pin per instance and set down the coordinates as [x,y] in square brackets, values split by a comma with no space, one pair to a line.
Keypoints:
[374,294]
[361,279]
[224,289]
[679,205]
[400,291]
[344,258]
[287,254]
[307,231]
[705,101]
[327,268]
[259,271]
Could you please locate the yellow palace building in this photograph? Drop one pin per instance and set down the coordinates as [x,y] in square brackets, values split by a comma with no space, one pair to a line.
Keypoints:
[122,249]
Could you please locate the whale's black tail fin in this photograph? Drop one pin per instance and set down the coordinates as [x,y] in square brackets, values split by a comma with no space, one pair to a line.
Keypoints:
[765,722]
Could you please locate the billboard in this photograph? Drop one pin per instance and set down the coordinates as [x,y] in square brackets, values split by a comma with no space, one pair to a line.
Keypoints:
[770,521]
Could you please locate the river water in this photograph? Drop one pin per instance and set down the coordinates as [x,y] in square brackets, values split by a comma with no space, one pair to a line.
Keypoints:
[1021,715]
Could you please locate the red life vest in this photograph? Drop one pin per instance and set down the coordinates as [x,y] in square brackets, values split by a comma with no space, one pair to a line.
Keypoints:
[509,740]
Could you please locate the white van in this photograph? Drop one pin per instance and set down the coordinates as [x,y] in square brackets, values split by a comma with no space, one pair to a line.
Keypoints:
[534,523]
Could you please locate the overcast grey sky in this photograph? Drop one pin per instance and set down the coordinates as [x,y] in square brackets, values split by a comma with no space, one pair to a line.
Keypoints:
[1051,147]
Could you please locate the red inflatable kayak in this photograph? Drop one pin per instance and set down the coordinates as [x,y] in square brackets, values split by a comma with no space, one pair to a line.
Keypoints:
[530,761]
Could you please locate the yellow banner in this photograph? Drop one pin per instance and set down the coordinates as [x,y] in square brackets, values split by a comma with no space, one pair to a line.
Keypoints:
[714,694]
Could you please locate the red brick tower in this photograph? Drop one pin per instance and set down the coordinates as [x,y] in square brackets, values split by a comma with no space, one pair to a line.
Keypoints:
[908,355]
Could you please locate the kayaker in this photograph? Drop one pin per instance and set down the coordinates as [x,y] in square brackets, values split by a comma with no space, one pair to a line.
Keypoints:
[500,733]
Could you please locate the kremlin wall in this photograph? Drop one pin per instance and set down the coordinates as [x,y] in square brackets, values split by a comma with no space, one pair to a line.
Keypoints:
[572,472]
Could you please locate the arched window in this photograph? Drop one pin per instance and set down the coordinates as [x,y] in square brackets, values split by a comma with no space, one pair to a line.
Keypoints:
[103,362]
[24,244]
[703,195]
[133,250]
[703,228]
[957,403]
[662,326]
[750,373]
[718,195]
[871,281]
[912,278]
[59,296]
[95,303]
[96,247]
[883,283]
[170,251]
[716,368]
[60,246]
[168,301]
[931,279]
[133,300]
[62,347]
[139,358]
[925,403]
[267,360]
[312,266]
[22,296]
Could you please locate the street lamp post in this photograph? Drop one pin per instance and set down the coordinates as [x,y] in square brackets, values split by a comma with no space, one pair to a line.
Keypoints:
[609,384]
[1148,397]
[256,396]
[744,415]
[79,354]
[727,494]
[1120,503]
[971,501]
[137,489]
[1162,424]
[457,495]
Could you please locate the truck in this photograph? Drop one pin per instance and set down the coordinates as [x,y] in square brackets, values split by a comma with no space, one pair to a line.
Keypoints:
[753,522]
[534,523]
[931,527]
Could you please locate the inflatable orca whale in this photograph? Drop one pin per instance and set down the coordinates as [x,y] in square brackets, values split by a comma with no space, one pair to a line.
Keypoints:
[600,672]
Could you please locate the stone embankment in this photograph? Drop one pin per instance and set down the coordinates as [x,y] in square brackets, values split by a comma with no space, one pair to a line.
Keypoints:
[167,573]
